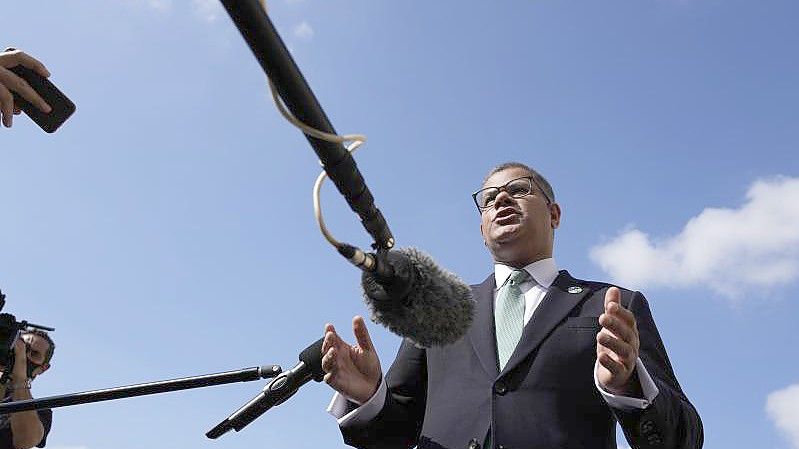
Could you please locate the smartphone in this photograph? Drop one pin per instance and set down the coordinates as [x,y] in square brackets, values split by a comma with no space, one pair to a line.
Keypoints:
[62,106]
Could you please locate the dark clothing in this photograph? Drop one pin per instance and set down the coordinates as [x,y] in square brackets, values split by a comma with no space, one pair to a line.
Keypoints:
[6,437]
[545,397]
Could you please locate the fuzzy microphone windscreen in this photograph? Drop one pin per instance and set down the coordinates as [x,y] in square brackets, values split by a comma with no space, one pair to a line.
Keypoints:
[436,309]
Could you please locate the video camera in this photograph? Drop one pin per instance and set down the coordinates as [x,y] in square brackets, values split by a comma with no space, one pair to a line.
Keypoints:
[10,330]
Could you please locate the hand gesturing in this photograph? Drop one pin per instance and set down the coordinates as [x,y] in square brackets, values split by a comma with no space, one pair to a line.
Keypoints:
[352,370]
[617,347]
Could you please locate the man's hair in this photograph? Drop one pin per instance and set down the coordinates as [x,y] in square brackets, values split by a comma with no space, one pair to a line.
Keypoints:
[539,180]
[50,350]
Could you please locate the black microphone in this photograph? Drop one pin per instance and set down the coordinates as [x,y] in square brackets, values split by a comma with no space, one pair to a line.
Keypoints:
[408,293]
[281,388]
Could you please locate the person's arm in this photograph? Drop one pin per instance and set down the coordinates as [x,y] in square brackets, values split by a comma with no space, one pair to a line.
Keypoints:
[647,388]
[619,374]
[354,372]
[670,420]
[27,429]
[348,412]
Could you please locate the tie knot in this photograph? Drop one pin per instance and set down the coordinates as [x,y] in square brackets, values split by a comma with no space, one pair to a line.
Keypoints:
[518,276]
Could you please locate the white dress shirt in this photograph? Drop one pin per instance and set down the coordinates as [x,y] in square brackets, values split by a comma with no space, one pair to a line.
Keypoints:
[542,275]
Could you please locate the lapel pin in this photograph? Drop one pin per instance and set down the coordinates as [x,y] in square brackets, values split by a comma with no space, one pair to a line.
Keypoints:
[574,289]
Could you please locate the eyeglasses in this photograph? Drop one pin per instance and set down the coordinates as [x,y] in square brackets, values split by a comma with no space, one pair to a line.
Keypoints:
[517,188]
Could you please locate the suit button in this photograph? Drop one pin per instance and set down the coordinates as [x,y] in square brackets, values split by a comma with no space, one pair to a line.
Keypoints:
[500,388]
[654,439]
[647,427]
[474,444]
[502,447]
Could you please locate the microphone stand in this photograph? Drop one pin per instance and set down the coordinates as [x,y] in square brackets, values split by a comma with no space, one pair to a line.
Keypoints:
[163,386]
[241,418]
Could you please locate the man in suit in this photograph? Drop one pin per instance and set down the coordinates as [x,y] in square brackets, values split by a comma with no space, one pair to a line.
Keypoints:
[549,362]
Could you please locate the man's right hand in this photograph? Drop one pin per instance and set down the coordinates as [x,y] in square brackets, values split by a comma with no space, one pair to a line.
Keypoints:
[352,370]
[10,82]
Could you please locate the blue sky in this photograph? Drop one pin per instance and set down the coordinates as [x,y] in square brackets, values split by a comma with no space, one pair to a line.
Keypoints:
[167,229]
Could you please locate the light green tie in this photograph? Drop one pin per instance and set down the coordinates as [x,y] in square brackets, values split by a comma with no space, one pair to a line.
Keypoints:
[509,315]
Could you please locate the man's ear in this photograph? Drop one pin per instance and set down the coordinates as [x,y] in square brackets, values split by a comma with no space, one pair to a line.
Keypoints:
[554,215]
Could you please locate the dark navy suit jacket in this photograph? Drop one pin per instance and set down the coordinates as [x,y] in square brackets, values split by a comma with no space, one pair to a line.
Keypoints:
[545,397]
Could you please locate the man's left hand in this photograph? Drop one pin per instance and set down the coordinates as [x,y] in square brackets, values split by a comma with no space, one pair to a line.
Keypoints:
[617,347]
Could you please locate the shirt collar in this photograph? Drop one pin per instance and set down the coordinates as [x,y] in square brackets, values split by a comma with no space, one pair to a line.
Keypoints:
[543,271]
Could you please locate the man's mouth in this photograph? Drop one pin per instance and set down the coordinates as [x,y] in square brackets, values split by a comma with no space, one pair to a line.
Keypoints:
[506,215]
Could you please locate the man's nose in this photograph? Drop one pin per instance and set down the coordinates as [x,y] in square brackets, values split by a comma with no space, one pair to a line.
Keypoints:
[503,198]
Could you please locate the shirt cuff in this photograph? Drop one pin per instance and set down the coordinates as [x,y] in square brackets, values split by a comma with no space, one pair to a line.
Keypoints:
[349,413]
[648,387]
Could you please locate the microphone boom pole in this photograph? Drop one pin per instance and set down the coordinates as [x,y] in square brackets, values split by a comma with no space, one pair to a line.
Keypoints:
[273,56]
[108,394]
[406,291]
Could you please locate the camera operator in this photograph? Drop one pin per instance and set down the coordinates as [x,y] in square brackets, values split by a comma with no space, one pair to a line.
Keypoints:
[23,430]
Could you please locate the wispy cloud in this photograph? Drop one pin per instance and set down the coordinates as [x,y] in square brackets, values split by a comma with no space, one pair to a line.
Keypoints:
[782,407]
[208,10]
[160,5]
[304,31]
[730,251]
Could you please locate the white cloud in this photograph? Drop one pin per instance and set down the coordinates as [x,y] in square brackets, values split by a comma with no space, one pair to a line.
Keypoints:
[208,10]
[782,407]
[160,5]
[303,31]
[731,251]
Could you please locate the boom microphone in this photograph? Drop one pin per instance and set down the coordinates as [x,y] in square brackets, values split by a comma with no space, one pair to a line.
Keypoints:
[404,289]
[257,29]
[412,296]
[281,388]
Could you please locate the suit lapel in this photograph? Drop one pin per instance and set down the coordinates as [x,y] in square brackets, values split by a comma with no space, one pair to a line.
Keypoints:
[555,306]
[481,333]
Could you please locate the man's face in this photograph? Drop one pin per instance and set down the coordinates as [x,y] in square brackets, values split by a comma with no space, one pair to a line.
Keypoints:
[518,231]
[37,352]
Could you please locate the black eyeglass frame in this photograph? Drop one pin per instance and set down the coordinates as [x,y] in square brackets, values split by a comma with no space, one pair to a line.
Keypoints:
[530,179]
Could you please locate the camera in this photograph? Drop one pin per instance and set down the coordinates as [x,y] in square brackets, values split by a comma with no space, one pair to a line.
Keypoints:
[10,330]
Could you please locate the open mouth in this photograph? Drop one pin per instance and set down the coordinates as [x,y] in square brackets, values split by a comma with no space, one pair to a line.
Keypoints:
[506,215]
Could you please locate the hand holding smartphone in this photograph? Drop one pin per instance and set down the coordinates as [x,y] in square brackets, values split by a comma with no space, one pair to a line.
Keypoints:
[44,103]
